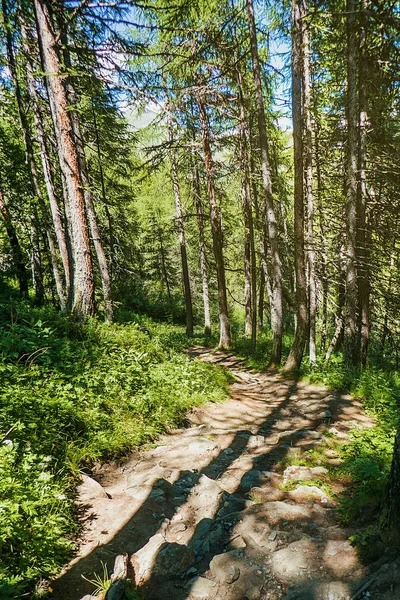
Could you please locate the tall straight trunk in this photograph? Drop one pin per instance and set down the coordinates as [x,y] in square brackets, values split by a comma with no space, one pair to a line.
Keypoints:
[202,248]
[83,295]
[296,352]
[163,264]
[387,301]
[36,262]
[88,197]
[225,332]
[350,322]
[324,276]
[250,252]
[363,241]
[36,258]
[260,314]
[308,180]
[181,232]
[103,189]
[18,257]
[276,274]
[56,236]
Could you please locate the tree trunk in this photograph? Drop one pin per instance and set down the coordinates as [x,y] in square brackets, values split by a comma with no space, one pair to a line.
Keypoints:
[308,180]
[103,190]
[296,352]
[18,257]
[225,333]
[35,184]
[202,248]
[351,353]
[83,296]
[363,241]
[181,232]
[59,236]
[260,317]
[89,204]
[163,265]
[276,275]
[249,250]
[36,262]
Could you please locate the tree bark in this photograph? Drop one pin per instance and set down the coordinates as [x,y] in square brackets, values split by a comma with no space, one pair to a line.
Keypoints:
[88,197]
[296,352]
[225,333]
[181,231]
[308,180]
[36,262]
[351,353]
[363,241]
[249,250]
[202,248]
[58,235]
[276,275]
[18,257]
[83,296]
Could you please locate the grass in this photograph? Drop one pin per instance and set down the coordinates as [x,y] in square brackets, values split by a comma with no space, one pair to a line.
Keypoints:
[74,394]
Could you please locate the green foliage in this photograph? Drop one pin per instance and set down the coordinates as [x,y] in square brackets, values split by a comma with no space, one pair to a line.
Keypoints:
[74,394]
[368,455]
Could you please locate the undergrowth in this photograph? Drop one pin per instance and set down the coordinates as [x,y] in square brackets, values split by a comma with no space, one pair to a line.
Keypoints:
[73,394]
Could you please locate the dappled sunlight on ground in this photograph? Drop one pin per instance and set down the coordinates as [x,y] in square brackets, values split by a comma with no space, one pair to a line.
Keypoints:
[207,515]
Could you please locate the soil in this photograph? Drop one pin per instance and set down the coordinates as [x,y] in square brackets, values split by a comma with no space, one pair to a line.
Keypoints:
[226,509]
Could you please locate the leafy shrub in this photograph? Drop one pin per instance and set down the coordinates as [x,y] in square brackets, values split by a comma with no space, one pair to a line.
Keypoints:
[94,391]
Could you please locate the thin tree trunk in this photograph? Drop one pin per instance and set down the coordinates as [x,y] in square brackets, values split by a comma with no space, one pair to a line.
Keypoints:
[260,318]
[103,189]
[36,262]
[202,248]
[324,276]
[163,265]
[59,236]
[181,232]
[363,242]
[308,180]
[18,257]
[276,275]
[83,297]
[296,352]
[350,322]
[249,253]
[336,335]
[225,333]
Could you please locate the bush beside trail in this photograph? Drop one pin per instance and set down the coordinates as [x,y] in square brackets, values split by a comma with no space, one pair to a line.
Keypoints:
[74,394]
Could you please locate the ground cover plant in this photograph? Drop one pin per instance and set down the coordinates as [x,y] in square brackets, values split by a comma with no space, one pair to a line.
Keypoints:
[73,394]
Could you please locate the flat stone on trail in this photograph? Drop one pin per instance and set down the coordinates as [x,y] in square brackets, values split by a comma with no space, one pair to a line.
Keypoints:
[274,513]
[143,560]
[266,494]
[309,493]
[297,473]
[341,558]
[293,562]
[202,588]
[90,490]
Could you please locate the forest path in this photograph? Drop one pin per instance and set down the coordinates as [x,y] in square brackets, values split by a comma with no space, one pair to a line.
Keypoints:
[214,512]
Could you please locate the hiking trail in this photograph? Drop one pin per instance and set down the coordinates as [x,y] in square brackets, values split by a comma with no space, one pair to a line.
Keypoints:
[214,512]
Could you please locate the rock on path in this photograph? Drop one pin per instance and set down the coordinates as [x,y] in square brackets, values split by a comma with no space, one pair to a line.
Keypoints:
[203,515]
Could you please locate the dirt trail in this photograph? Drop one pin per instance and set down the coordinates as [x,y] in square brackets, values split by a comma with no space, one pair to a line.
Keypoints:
[203,516]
